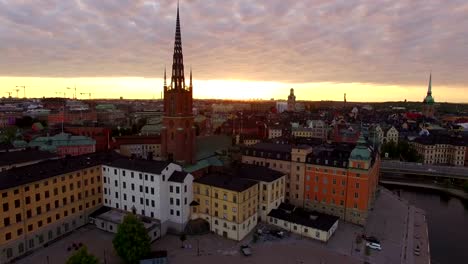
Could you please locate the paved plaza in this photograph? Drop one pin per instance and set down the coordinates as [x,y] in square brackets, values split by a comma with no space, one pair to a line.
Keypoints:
[399,226]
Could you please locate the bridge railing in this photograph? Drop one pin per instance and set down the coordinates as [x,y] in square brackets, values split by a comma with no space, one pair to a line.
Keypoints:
[433,170]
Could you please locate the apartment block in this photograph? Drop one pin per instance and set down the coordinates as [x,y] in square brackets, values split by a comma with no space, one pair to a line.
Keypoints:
[338,179]
[229,204]
[153,189]
[442,149]
[44,201]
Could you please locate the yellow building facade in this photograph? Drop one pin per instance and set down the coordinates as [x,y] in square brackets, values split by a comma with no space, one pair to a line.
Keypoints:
[44,201]
[228,204]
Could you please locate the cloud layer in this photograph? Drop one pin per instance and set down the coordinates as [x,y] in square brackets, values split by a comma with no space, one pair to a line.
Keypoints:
[297,41]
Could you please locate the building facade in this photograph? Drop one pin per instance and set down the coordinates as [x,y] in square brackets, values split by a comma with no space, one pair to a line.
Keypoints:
[65,144]
[336,179]
[153,189]
[48,200]
[229,204]
[441,150]
[178,131]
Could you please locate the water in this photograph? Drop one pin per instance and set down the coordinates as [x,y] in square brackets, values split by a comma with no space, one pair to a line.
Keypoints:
[447,219]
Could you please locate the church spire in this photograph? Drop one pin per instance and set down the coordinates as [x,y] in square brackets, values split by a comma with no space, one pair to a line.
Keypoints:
[165,83]
[178,79]
[429,88]
[190,77]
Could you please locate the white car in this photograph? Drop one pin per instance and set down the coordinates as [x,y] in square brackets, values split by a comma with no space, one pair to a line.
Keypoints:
[374,246]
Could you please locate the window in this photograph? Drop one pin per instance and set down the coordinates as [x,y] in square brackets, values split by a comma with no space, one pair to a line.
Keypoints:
[17,203]
[28,200]
[171,201]
[172,212]
[178,213]
[30,227]
[152,190]
[185,188]
[38,210]
[177,189]
[19,232]
[18,218]
[357,185]
[8,236]
[28,214]
[5,207]
[6,221]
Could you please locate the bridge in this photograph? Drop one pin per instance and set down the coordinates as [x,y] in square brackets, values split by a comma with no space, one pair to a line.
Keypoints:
[426,170]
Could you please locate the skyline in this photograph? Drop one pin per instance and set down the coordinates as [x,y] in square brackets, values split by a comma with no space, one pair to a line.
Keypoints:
[122,48]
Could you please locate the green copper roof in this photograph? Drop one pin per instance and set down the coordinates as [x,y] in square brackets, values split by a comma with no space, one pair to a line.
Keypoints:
[428,100]
[361,151]
[59,140]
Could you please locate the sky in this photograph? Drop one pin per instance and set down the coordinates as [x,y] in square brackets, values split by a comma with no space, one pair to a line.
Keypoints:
[372,50]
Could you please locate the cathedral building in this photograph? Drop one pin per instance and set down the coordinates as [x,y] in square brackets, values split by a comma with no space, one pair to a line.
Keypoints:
[178,131]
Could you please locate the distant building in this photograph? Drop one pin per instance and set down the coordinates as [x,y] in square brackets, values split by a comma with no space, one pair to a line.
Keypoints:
[146,147]
[56,118]
[100,134]
[275,131]
[291,101]
[442,149]
[314,129]
[281,106]
[389,135]
[65,144]
[428,102]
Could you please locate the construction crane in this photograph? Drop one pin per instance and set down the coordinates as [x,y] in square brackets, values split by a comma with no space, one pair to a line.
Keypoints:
[24,89]
[64,94]
[89,94]
[17,90]
[9,94]
[69,88]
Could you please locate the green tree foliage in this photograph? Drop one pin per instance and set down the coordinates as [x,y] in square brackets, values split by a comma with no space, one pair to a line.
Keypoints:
[401,151]
[82,257]
[8,135]
[465,186]
[131,242]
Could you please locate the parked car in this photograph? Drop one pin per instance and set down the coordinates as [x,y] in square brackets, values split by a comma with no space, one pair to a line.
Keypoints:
[246,250]
[372,239]
[373,246]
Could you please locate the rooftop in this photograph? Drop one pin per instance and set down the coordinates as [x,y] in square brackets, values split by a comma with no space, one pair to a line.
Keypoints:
[149,166]
[50,168]
[256,173]
[300,216]
[225,181]
[178,176]
[117,216]
[28,155]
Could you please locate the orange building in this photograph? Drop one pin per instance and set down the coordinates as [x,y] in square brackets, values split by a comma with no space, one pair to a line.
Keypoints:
[338,179]
[342,183]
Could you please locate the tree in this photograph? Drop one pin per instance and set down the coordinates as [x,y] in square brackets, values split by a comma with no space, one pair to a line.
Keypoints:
[182,238]
[132,241]
[82,257]
[465,186]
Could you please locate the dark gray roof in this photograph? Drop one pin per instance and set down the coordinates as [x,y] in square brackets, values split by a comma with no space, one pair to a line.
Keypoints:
[28,155]
[50,168]
[226,182]
[149,166]
[257,173]
[306,218]
[178,176]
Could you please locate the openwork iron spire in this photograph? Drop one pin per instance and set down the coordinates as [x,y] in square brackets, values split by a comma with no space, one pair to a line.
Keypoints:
[178,79]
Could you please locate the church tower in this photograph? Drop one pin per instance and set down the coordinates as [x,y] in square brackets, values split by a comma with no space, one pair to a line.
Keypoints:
[428,102]
[178,131]
[291,101]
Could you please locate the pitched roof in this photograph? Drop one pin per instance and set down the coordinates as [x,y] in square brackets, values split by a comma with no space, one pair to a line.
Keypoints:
[178,176]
